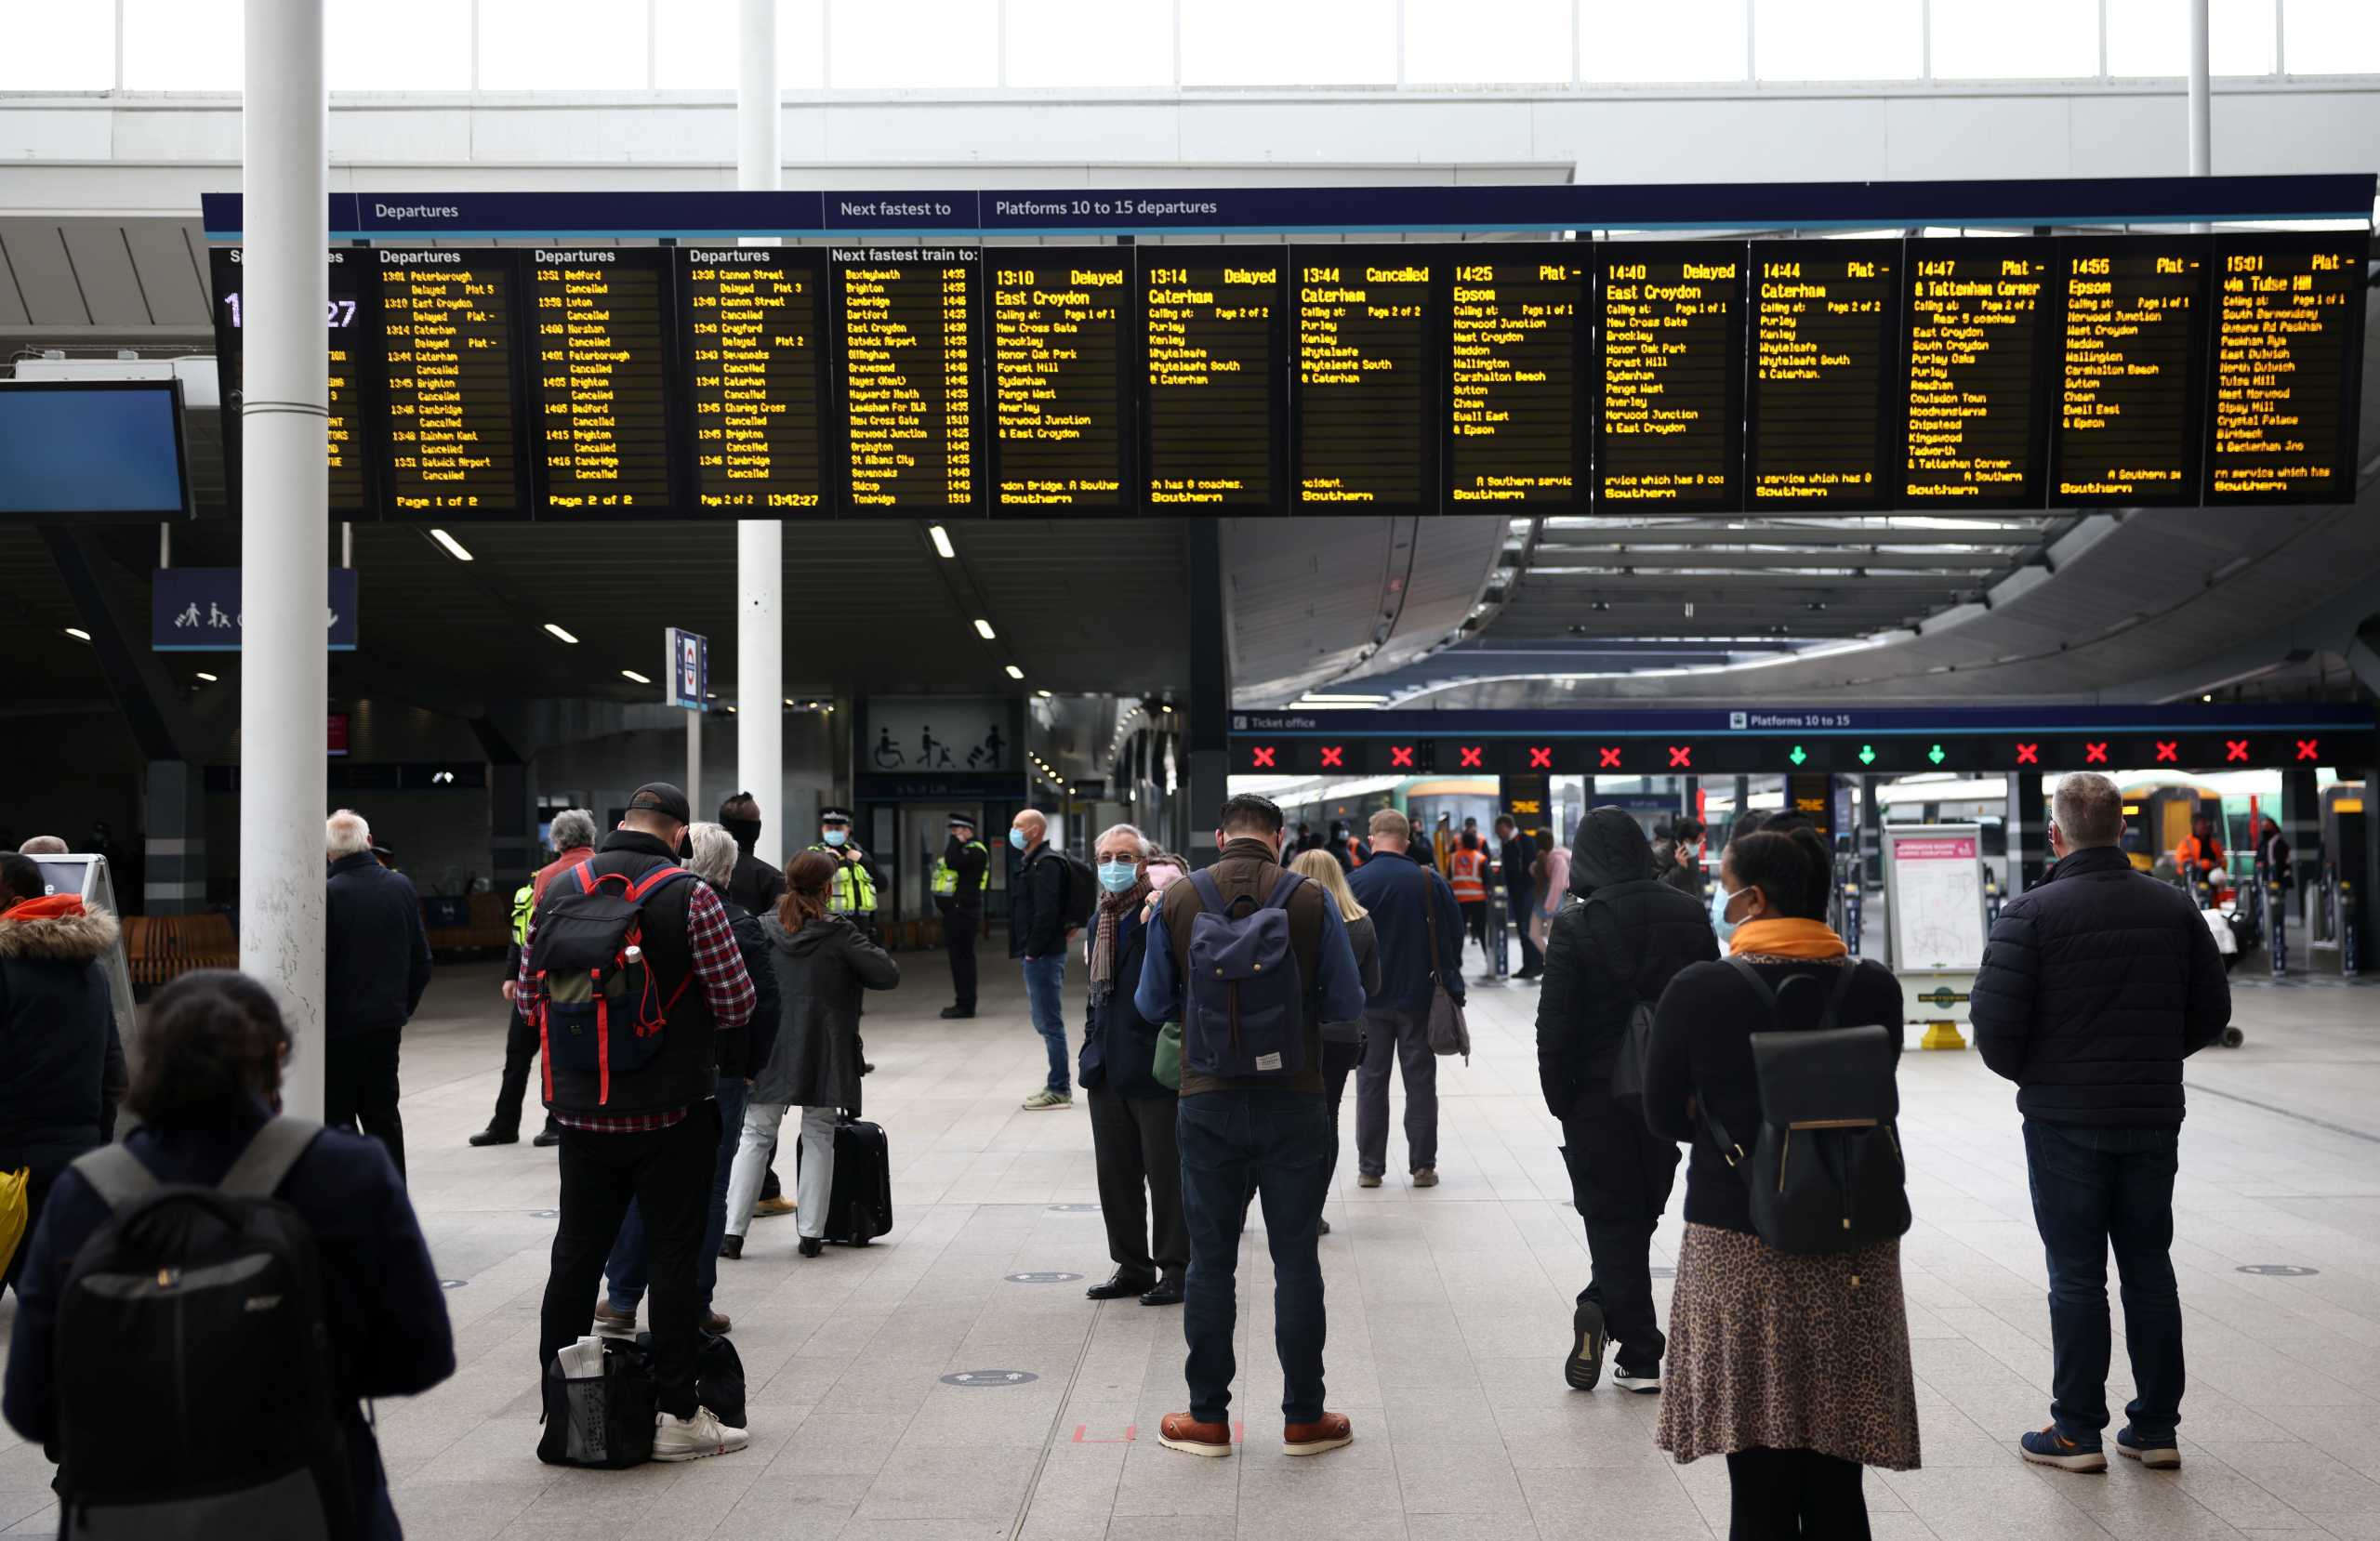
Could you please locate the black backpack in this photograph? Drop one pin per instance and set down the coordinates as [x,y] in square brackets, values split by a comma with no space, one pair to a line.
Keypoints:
[200,1399]
[595,997]
[1825,1172]
[1636,1039]
[1081,898]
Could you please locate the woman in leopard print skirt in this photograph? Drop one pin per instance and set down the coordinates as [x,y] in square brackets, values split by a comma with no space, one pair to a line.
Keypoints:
[1795,1367]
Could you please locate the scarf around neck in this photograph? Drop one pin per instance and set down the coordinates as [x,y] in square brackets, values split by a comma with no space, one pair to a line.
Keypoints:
[1786,938]
[1113,907]
[51,906]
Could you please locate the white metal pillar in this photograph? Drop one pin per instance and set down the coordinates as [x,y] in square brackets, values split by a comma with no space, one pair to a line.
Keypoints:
[284,531]
[759,542]
[2202,95]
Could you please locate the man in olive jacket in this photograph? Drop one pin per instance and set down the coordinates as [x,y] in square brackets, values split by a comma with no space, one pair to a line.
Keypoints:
[2096,986]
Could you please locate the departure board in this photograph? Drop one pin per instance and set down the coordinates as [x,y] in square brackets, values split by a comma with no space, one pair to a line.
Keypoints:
[755,370]
[1975,423]
[906,369]
[2288,357]
[1212,329]
[2131,370]
[1363,384]
[447,334]
[1669,418]
[1062,402]
[601,360]
[1515,420]
[348,324]
[1825,319]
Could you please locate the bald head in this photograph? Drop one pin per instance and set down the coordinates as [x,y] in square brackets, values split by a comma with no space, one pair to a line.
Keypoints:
[1033,824]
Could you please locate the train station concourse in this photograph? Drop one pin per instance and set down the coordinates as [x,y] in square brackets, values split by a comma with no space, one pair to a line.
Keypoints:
[858,769]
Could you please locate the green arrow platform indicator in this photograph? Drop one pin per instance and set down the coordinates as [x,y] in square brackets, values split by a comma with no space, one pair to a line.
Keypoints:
[1937,755]
[1867,754]
[1799,755]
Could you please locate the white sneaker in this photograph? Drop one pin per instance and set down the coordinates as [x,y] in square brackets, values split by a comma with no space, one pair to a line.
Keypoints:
[692,1439]
[1046,1099]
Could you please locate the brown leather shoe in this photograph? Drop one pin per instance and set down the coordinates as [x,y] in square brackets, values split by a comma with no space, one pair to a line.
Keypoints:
[1327,1433]
[1181,1431]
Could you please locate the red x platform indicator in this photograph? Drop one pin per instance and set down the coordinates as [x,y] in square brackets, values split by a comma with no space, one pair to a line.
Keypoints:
[1264,756]
[2235,751]
[1473,757]
[2309,748]
[2096,754]
[1607,756]
[1334,757]
[1682,755]
[1400,757]
[2169,751]
[1541,757]
[2029,754]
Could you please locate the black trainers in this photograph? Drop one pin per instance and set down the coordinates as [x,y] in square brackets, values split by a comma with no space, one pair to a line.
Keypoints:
[1583,1366]
[957,1013]
[1643,1382]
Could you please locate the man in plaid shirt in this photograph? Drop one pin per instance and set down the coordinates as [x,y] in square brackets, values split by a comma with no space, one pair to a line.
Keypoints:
[649,1133]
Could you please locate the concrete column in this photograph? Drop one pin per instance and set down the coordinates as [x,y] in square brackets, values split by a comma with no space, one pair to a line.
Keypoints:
[1208,733]
[512,826]
[285,531]
[760,543]
[173,858]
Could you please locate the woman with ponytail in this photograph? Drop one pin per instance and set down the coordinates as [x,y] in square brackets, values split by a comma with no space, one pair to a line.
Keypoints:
[209,1078]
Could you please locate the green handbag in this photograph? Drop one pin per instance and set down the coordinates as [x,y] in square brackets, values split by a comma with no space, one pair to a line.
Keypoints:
[1167,1065]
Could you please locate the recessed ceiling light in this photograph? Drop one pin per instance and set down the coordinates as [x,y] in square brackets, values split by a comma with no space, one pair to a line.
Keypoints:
[454,548]
[940,541]
[983,628]
[1016,672]
[639,678]
[78,634]
[1043,694]
[788,701]
[730,711]
[208,678]
[558,634]
[2206,698]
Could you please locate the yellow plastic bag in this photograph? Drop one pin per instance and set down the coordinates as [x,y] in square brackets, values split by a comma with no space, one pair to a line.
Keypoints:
[13,1211]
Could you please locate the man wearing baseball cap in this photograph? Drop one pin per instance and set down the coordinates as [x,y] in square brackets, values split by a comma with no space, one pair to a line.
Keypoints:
[961,876]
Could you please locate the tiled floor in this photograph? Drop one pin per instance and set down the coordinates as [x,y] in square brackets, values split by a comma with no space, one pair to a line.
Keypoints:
[1449,1315]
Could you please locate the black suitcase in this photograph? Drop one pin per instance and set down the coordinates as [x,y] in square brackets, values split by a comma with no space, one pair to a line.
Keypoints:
[859,1208]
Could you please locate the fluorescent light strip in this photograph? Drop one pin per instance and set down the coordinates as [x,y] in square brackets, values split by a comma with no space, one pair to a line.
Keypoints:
[78,634]
[560,635]
[1016,672]
[983,628]
[208,678]
[454,548]
[942,545]
[639,678]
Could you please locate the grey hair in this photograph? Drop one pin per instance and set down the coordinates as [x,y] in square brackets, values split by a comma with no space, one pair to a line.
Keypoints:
[43,845]
[2089,810]
[714,857]
[345,833]
[572,827]
[1147,849]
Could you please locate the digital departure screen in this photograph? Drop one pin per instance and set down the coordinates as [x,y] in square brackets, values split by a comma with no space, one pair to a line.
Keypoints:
[1517,328]
[1669,420]
[751,319]
[906,369]
[1363,387]
[1825,317]
[1212,326]
[1974,428]
[447,334]
[2131,370]
[2288,353]
[601,362]
[1062,404]
[348,324]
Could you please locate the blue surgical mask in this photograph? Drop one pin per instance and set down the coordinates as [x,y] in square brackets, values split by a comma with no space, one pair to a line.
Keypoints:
[1118,876]
[1016,838]
[1720,900]
[836,836]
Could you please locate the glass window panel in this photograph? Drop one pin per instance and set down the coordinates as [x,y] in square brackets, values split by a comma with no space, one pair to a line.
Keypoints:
[1090,42]
[1628,42]
[2014,39]
[913,44]
[2152,37]
[422,45]
[694,45]
[1487,42]
[59,48]
[1290,42]
[590,45]
[2330,37]
[179,45]
[1838,39]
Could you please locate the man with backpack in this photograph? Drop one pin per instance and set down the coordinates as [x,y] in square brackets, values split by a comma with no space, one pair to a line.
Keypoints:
[631,970]
[1251,960]
[1048,898]
[2096,985]
[1607,959]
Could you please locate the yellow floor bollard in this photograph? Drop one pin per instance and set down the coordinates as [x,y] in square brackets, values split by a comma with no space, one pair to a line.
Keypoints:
[1942,1034]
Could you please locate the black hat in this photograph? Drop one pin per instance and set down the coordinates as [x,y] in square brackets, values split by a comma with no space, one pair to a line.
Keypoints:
[662,798]
[834,815]
[965,820]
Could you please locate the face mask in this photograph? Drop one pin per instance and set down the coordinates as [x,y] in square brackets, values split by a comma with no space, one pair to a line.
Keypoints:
[1161,877]
[1016,838]
[836,837]
[1118,877]
[1720,900]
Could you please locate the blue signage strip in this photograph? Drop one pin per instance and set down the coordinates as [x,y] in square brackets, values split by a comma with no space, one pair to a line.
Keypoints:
[1208,211]
[197,609]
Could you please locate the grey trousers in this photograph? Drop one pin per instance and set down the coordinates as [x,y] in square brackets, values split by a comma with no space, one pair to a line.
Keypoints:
[1395,1035]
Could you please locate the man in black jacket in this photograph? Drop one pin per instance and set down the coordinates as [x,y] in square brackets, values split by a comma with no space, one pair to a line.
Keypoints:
[2095,988]
[1622,944]
[1408,900]
[961,876]
[756,884]
[1036,938]
[376,964]
[1516,855]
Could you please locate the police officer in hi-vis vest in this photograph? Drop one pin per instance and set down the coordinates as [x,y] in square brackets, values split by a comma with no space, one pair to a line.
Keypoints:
[856,880]
[961,876]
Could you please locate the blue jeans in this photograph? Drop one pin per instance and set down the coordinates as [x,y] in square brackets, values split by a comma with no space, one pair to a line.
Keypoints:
[2093,1186]
[629,1270]
[1275,1144]
[1044,985]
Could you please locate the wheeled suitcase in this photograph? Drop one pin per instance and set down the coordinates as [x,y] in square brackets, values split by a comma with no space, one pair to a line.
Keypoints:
[859,1203]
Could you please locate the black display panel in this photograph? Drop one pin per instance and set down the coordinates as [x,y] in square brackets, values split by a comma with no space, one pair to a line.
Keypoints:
[1213,327]
[2288,362]
[909,433]
[1517,334]
[601,380]
[1364,379]
[92,452]
[1669,408]
[446,333]
[1974,421]
[1824,399]
[1061,383]
[351,325]
[2130,370]
[752,318]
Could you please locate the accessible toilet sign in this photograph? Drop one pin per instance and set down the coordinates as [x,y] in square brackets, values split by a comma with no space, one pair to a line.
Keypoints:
[197,609]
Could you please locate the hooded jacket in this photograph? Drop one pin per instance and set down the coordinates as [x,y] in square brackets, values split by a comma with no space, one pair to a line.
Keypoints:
[1627,937]
[57,1034]
[820,971]
[754,885]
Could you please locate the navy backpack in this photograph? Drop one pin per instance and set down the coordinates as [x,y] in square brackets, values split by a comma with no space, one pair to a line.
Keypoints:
[1244,1008]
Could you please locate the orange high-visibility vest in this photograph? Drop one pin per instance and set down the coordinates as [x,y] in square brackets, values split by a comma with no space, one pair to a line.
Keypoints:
[1467,873]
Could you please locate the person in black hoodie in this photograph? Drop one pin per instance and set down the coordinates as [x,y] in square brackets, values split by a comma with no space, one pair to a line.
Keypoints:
[1623,943]
[2096,985]
[754,885]
[375,965]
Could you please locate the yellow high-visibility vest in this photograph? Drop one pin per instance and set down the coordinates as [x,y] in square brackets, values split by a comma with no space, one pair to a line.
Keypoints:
[854,891]
[945,877]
